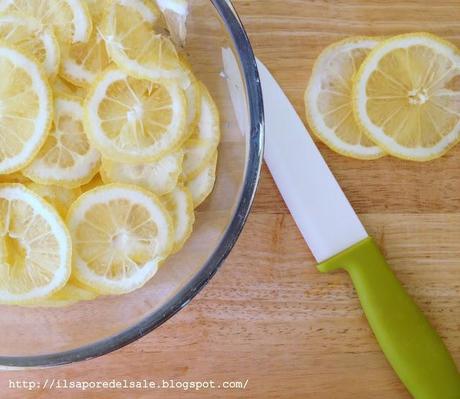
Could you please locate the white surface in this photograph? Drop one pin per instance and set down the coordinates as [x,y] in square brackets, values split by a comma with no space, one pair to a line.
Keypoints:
[318,205]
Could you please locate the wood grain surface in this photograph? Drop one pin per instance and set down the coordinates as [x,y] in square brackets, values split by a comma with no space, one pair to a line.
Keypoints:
[268,316]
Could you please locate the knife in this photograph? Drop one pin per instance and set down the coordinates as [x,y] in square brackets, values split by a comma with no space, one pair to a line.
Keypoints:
[338,240]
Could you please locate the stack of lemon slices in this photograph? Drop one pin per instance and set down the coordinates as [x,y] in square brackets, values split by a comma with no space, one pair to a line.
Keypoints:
[108,142]
[369,96]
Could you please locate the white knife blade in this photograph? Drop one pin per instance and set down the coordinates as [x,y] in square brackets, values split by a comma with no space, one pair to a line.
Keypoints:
[318,205]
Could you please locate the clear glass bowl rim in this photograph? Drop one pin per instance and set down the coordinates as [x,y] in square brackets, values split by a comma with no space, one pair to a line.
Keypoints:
[256,142]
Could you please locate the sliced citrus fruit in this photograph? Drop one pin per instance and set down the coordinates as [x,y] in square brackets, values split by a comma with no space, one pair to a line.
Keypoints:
[193,95]
[202,185]
[63,87]
[86,60]
[328,98]
[25,109]
[69,18]
[120,233]
[175,13]
[27,35]
[159,177]
[60,197]
[95,182]
[135,46]
[73,292]
[134,120]
[179,203]
[407,96]
[97,9]
[202,144]
[66,158]
[35,247]
[16,177]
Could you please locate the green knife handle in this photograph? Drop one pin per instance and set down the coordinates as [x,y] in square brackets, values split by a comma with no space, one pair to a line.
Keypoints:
[410,343]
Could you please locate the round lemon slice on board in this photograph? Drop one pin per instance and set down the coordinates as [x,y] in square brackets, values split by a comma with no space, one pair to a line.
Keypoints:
[407,96]
[179,203]
[134,120]
[160,177]
[135,46]
[120,234]
[25,109]
[202,185]
[29,36]
[202,145]
[85,60]
[66,158]
[69,18]
[35,247]
[60,197]
[328,99]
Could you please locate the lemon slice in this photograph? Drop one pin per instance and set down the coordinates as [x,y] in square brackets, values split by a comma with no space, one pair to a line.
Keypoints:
[66,158]
[133,120]
[73,292]
[16,177]
[60,197]
[193,96]
[86,60]
[202,185]
[35,247]
[328,99]
[202,145]
[27,35]
[120,235]
[179,203]
[159,177]
[406,96]
[95,182]
[25,109]
[69,18]
[62,87]
[135,46]
[175,13]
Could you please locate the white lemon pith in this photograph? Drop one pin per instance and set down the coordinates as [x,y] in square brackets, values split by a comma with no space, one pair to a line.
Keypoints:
[120,235]
[134,120]
[35,248]
[25,109]
[328,98]
[66,158]
[406,96]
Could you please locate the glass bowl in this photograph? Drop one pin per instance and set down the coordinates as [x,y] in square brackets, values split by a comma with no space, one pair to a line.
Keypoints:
[33,337]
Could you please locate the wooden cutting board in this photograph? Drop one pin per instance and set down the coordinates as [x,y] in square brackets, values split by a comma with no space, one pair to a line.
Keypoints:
[269,317]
